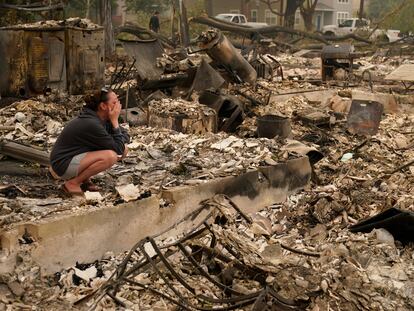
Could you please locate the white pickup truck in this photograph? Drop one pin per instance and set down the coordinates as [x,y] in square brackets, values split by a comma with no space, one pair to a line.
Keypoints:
[360,25]
[239,19]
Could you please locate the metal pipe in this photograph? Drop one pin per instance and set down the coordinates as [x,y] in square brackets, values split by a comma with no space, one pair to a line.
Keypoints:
[222,51]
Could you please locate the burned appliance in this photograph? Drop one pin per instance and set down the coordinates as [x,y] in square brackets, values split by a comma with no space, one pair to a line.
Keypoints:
[364,117]
[267,67]
[37,58]
[229,109]
[336,59]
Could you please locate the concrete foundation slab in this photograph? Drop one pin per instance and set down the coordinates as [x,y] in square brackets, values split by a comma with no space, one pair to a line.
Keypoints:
[62,241]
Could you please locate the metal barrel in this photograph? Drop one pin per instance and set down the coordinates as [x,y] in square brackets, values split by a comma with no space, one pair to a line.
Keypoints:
[270,126]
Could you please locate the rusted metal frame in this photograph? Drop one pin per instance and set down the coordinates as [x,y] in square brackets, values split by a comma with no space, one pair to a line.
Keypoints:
[146,262]
[239,301]
[287,303]
[283,303]
[191,215]
[165,279]
[117,73]
[157,292]
[242,302]
[239,264]
[186,238]
[228,248]
[142,265]
[204,273]
[258,305]
[246,217]
[126,74]
[117,301]
[214,253]
[183,282]
[161,257]
[191,235]
[122,266]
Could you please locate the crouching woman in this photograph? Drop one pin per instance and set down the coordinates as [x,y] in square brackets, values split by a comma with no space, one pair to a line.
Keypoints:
[89,144]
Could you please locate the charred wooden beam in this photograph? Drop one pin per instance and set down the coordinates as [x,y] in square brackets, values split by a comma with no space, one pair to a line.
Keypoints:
[24,153]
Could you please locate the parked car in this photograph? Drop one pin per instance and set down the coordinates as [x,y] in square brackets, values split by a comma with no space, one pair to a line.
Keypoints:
[360,25]
[240,19]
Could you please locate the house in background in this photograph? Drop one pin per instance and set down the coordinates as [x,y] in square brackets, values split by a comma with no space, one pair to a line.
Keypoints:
[255,10]
[356,5]
[120,14]
[328,12]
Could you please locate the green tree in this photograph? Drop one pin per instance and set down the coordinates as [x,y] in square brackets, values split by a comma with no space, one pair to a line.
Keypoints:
[147,6]
[12,17]
[79,8]
[392,14]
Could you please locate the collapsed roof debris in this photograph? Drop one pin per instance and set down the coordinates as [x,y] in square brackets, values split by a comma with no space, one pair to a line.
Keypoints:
[202,115]
[63,55]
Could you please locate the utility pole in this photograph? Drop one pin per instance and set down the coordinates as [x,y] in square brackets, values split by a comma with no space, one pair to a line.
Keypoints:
[361,9]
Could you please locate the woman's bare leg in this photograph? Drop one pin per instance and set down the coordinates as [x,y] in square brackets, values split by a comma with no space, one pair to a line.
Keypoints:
[93,163]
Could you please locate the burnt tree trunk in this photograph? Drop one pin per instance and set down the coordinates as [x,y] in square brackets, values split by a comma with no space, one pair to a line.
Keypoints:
[291,7]
[308,20]
[106,21]
[307,11]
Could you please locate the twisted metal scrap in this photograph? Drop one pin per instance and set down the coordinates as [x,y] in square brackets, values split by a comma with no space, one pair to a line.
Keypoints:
[150,256]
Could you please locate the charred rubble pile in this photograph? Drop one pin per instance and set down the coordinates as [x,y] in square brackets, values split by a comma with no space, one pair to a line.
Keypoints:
[343,243]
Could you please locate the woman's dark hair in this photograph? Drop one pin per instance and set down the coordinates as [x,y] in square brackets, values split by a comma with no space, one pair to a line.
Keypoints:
[156,13]
[93,100]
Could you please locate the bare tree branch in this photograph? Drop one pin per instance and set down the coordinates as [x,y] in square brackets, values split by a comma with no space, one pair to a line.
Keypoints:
[32,9]
[269,30]
[270,3]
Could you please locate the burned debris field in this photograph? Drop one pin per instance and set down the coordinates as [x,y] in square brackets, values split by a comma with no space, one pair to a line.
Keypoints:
[224,164]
